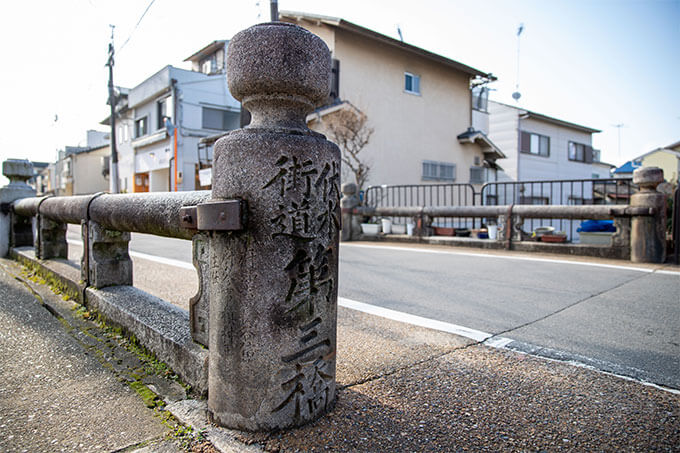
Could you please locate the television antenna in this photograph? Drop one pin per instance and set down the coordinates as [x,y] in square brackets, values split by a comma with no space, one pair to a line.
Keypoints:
[516,95]
[619,126]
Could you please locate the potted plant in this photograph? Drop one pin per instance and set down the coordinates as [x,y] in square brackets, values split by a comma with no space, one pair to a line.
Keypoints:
[370,228]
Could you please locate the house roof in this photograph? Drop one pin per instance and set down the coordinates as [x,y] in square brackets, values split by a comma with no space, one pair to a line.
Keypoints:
[490,150]
[69,150]
[349,26]
[550,119]
[628,167]
[207,50]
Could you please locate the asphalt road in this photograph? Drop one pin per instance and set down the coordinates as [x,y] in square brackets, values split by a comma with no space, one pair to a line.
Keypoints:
[618,319]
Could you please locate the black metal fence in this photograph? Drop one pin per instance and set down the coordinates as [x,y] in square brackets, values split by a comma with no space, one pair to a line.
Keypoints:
[570,192]
[425,195]
[547,192]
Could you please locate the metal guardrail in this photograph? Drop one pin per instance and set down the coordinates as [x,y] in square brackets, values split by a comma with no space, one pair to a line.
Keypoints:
[572,192]
[151,213]
[424,195]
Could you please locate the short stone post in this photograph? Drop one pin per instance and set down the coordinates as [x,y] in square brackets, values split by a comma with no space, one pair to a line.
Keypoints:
[351,224]
[18,172]
[648,233]
[105,260]
[273,286]
[51,239]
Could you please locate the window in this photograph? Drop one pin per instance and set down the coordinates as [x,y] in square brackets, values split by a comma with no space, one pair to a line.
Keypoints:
[438,171]
[480,98]
[411,83]
[222,120]
[476,175]
[579,152]
[536,144]
[141,127]
[162,110]
[335,80]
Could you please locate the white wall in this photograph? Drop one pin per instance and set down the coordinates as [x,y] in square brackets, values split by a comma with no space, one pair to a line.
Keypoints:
[503,123]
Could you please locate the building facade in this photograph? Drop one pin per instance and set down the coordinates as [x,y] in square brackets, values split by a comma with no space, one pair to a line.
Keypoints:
[539,147]
[419,105]
[161,121]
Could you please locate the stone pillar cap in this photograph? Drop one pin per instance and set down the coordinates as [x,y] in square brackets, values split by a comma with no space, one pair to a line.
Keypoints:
[349,188]
[17,169]
[648,177]
[280,72]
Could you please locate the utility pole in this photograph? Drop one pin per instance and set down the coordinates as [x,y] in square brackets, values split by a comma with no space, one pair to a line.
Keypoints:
[274,10]
[113,171]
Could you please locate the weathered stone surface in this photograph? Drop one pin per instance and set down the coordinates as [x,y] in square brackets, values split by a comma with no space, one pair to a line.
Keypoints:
[648,233]
[158,325]
[199,305]
[283,63]
[17,171]
[273,294]
[108,262]
[51,239]
[351,224]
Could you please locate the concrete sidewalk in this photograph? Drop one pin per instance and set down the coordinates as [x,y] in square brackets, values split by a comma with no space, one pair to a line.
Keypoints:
[401,388]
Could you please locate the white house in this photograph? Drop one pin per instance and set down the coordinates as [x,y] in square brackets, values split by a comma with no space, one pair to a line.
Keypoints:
[539,147]
[161,121]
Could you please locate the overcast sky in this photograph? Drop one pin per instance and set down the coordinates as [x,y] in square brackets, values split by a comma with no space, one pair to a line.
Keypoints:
[593,62]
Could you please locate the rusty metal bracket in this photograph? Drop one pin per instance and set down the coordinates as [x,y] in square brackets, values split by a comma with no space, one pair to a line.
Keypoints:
[226,215]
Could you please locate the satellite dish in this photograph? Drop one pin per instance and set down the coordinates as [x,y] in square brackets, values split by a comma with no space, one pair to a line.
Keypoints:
[516,95]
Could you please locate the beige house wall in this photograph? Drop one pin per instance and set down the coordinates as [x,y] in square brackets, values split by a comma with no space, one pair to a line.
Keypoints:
[408,128]
[669,163]
[87,172]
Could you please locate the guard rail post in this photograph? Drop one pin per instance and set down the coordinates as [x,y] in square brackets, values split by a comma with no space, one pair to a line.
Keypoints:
[51,237]
[648,233]
[351,224]
[14,230]
[105,261]
[273,286]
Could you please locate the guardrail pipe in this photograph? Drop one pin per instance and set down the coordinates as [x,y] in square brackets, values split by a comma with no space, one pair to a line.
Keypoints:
[273,289]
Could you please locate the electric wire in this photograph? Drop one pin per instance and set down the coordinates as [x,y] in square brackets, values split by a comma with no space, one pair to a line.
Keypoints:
[137,25]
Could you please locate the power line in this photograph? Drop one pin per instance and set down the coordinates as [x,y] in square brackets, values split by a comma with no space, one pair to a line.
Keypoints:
[138,22]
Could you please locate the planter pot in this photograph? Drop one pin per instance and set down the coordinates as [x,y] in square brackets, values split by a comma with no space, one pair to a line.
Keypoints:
[493,231]
[462,232]
[398,228]
[443,231]
[370,229]
[554,238]
[409,228]
[386,226]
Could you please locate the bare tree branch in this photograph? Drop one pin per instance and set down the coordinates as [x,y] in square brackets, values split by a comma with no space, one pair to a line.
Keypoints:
[348,128]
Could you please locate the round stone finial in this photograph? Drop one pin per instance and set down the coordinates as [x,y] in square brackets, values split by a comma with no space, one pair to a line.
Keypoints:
[280,72]
[648,177]
[17,169]
[349,188]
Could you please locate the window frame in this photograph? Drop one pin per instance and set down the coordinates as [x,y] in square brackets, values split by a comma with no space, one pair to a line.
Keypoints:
[414,77]
[587,156]
[224,113]
[145,120]
[438,173]
[523,149]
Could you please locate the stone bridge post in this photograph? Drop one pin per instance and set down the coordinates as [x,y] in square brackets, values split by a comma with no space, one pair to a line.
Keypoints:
[273,286]
[18,171]
[648,233]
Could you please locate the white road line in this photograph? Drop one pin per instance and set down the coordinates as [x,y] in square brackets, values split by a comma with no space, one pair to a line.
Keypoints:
[473,334]
[144,256]
[518,258]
